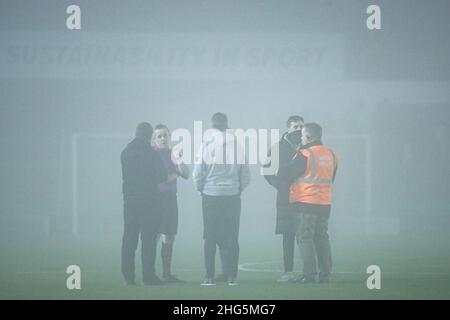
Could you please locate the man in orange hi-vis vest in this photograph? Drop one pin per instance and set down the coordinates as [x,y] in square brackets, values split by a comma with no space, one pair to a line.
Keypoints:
[312,172]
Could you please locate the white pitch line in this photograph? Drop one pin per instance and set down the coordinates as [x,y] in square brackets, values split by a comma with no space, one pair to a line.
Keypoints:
[250,267]
[91,271]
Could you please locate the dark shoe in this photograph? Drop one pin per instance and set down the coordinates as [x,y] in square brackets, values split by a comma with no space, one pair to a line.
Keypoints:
[129,283]
[306,280]
[324,280]
[220,278]
[172,279]
[154,281]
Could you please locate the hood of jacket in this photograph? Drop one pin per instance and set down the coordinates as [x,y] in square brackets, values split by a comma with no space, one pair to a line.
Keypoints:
[220,147]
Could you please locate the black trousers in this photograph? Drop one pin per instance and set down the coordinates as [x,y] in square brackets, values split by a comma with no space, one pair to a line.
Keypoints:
[221,217]
[141,217]
[288,251]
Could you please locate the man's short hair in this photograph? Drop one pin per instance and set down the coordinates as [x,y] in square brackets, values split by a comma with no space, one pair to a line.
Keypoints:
[294,118]
[161,126]
[219,121]
[314,131]
[144,130]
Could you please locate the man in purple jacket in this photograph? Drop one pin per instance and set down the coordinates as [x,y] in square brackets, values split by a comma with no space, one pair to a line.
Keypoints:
[168,196]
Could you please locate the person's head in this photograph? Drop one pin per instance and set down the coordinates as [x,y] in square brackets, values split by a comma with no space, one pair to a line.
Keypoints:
[144,130]
[219,121]
[161,136]
[294,123]
[311,132]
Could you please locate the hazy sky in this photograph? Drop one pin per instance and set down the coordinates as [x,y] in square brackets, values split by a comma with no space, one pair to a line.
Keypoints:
[70,100]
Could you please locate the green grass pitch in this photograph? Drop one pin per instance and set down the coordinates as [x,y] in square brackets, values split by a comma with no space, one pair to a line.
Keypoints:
[410,269]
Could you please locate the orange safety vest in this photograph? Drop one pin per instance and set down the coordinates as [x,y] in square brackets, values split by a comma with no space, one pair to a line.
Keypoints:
[315,185]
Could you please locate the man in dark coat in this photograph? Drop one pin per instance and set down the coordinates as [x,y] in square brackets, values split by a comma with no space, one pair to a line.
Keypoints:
[142,172]
[288,145]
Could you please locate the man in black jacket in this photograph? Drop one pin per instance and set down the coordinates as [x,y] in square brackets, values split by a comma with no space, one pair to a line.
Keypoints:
[289,144]
[142,171]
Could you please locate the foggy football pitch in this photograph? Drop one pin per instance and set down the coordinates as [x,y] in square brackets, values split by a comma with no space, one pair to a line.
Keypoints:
[410,269]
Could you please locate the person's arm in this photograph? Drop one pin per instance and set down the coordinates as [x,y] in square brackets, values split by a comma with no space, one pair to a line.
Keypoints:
[197,177]
[272,179]
[335,159]
[294,169]
[334,173]
[181,168]
[172,176]
[198,171]
[244,178]
[159,171]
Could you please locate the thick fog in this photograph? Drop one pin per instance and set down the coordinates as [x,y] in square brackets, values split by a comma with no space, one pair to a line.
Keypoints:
[70,101]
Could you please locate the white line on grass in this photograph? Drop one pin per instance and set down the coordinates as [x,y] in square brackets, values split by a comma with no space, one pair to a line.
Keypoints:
[252,267]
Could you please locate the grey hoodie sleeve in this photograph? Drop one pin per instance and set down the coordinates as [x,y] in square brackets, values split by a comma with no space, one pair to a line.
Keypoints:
[244,177]
[198,173]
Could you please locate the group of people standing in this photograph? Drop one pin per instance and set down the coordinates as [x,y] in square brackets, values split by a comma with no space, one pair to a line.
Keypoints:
[303,181]
[149,172]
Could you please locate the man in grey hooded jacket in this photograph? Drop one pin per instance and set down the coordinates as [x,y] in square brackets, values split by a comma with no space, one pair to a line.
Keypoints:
[220,179]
